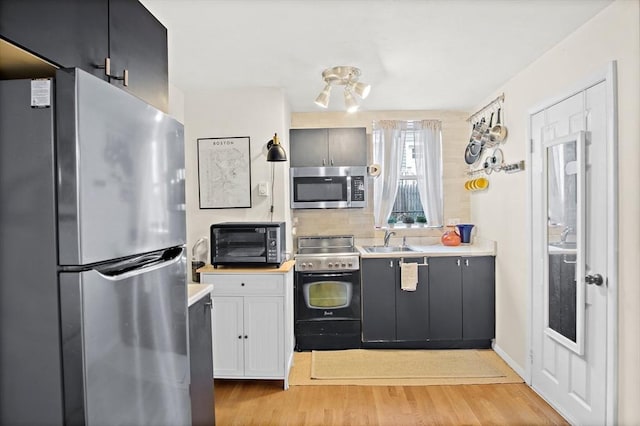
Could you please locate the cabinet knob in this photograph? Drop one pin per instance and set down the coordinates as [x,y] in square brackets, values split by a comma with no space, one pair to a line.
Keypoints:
[239,337]
[246,336]
[242,284]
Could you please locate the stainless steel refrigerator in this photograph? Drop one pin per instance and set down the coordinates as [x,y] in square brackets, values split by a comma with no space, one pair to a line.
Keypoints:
[93,298]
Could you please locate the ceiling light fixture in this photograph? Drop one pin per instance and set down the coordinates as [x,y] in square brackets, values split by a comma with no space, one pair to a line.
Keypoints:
[347,77]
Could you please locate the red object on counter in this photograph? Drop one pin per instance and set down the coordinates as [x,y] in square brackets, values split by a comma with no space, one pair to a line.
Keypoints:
[451,237]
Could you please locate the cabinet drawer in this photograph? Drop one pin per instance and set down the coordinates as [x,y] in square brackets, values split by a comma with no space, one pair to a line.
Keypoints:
[265,284]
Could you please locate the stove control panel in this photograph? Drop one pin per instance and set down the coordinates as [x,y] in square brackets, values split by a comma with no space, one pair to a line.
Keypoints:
[337,263]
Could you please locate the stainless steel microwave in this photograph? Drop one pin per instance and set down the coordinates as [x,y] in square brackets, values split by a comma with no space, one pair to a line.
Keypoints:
[248,243]
[328,187]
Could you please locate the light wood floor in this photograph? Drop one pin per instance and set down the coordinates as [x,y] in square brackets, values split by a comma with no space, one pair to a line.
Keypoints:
[259,402]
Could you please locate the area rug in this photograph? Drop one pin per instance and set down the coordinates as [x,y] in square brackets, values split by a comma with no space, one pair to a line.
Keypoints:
[400,368]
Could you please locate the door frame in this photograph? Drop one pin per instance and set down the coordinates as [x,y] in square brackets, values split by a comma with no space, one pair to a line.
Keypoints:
[608,75]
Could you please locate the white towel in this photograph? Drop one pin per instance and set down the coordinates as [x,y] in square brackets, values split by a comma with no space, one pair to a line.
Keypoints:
[409,276]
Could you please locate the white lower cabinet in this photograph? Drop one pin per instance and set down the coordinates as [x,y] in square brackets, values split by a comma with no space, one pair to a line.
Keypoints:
[249,335]
[253,325]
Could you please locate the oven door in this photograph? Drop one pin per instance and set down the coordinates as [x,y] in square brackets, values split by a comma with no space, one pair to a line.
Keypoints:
[328,295]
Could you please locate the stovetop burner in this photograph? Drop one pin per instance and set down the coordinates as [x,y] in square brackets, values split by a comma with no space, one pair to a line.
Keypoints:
[327,253]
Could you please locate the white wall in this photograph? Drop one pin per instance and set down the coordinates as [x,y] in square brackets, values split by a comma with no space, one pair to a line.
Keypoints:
[254,112]
[501,212]
[176,103]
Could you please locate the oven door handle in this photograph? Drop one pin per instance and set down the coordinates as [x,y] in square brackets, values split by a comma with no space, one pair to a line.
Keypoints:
[344,274]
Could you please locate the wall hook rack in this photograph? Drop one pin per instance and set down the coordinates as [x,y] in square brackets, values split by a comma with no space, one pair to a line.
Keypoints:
[481,112]
[507,168]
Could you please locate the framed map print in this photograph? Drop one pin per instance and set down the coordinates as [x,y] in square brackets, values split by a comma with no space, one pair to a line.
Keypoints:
[224,173]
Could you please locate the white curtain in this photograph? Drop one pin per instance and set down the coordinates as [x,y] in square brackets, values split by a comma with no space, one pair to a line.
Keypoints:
[388,142]
[428,151]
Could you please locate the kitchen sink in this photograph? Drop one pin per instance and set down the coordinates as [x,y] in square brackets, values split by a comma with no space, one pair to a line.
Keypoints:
[386,249]
[564,245]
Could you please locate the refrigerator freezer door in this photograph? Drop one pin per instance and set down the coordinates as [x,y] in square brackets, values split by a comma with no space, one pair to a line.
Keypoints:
[120,173]
[125,345]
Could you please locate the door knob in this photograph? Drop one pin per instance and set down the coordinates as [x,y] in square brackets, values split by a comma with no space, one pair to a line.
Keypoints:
[594,279]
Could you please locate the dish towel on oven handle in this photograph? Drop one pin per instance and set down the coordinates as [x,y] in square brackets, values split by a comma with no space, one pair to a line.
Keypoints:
[408,276]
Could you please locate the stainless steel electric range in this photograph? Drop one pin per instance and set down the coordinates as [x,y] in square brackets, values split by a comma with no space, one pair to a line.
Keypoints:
[327,293]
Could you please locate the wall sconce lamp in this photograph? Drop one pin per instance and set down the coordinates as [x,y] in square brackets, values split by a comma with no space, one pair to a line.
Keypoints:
[276,151]
[347,77]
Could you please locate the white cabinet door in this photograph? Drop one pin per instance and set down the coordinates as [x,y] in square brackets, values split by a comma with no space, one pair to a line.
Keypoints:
[228,336]
[264,345]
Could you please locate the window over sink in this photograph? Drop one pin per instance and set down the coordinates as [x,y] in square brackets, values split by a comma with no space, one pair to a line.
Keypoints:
[409,188]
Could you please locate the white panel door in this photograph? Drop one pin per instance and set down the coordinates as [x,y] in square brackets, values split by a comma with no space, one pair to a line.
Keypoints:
[228,336]
[264,345]
[569,253]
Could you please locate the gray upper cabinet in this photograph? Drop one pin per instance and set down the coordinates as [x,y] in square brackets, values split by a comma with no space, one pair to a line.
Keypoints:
[328,147]
[138,44]
[81,33]
[67,33]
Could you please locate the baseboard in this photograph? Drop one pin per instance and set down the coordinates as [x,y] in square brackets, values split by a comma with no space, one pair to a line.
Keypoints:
[511,363]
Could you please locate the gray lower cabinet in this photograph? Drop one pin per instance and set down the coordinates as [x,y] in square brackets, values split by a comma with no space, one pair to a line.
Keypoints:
[412,313]
[200,358]
[462,298]
[478,298]
[445,304]
[378,300]
[388,312]
[453,305]
[328,147]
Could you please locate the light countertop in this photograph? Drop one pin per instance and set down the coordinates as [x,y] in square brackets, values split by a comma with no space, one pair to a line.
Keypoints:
[198,291]
[284,268]
[432,248]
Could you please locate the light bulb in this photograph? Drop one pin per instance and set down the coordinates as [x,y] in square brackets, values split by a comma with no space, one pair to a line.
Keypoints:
[323,98]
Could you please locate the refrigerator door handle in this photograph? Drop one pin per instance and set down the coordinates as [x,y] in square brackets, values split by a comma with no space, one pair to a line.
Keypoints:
[141,264]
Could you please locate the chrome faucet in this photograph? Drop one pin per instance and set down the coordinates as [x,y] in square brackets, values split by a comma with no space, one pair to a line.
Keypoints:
[565,233]
[387,236]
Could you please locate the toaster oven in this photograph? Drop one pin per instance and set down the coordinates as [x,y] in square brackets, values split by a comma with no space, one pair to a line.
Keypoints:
[248,243]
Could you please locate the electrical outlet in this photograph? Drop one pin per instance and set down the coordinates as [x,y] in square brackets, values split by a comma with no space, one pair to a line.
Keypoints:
[263,189]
